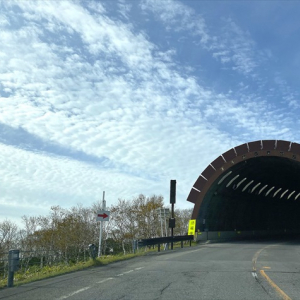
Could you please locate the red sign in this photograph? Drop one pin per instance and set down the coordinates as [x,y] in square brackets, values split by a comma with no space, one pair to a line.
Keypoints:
[102,215]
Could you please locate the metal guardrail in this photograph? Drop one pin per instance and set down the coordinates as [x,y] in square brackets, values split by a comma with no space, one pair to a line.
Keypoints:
[165,240]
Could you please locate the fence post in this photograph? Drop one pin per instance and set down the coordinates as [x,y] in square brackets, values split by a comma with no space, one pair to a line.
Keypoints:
[158,248]
[13,265]
[181,244]
[134,245]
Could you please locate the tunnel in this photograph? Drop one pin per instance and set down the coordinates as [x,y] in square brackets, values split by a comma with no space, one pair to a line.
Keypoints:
[254,186]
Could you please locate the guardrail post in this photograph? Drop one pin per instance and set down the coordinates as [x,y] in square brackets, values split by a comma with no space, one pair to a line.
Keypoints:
[190,243]
[158,247]
[13,265]
[181,244]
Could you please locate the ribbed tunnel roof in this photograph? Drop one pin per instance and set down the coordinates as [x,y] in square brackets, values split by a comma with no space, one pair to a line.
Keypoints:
[251,186]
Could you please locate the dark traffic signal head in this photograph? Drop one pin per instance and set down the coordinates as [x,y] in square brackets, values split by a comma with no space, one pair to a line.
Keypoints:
[173,191]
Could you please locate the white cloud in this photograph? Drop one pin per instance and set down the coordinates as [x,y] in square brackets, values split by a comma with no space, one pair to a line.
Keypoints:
[240,48]
[37,181]
[177,16]
[229,45]
[80,80]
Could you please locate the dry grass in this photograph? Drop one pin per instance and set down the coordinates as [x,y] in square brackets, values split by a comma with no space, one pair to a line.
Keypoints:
[35,273]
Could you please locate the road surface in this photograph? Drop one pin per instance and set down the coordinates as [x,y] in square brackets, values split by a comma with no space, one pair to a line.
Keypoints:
[232,270]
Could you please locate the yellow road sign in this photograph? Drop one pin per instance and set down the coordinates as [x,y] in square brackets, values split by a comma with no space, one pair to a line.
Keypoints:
[192,227]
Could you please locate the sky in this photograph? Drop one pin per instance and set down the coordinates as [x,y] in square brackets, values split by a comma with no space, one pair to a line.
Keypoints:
[123,96]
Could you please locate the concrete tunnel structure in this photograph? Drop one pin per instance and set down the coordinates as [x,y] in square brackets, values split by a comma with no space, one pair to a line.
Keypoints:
[254,186]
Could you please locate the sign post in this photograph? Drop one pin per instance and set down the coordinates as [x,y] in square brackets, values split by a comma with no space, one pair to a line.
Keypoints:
[102,216]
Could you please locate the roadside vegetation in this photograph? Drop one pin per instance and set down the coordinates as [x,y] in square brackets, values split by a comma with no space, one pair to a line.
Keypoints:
[34,273]
[59,242]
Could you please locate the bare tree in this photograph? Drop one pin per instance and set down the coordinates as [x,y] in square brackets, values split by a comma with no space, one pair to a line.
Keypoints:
[182,221]
[8,235]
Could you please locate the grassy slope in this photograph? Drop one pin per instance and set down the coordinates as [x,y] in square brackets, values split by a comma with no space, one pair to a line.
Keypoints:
[35,273]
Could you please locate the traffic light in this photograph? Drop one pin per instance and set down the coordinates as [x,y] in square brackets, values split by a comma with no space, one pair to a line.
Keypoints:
[173,191]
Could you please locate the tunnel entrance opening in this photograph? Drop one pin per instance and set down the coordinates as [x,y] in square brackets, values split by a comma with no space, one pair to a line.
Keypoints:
[255,196]
[250,190]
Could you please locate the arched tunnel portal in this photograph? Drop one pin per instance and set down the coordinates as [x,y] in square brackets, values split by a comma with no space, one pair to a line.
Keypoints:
[254,186]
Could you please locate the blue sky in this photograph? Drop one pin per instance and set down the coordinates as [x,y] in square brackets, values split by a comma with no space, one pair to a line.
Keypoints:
[122,96]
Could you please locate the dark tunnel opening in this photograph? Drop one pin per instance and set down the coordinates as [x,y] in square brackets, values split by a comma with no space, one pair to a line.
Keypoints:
[262,197]
[254,191]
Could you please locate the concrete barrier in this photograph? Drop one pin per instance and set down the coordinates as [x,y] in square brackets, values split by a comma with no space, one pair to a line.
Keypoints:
[222,235]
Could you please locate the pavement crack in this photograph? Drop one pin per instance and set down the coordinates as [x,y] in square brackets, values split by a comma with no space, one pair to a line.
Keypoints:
[164,288]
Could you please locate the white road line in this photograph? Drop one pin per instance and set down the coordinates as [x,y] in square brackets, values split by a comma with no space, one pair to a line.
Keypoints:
[195,250]
[104,280]
[127,272]
[74,293]
[173,255]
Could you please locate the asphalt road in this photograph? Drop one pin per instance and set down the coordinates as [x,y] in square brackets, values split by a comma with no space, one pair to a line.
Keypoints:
[235,270]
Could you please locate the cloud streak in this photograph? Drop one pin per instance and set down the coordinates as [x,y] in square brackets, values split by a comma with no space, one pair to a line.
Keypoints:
[89,102]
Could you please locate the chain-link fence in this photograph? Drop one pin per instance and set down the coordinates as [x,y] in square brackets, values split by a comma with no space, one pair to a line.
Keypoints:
[35,262]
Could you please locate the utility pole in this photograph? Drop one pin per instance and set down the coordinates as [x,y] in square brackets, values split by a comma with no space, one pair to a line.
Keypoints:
[166,214]
[101,224]
[158,211]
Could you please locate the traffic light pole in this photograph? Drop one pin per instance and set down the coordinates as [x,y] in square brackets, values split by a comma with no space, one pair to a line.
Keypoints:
[172,201]
[172,228]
